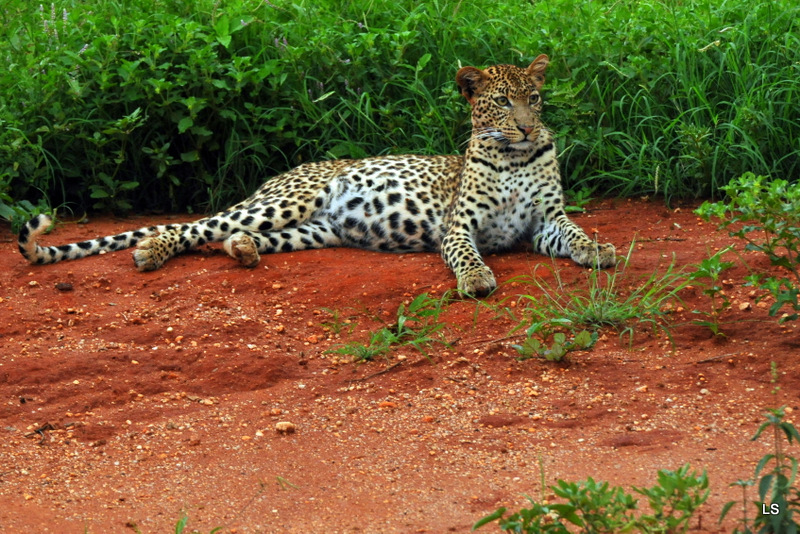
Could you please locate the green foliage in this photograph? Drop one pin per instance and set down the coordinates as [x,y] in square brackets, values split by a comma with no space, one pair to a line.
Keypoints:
[711,269]
[596,508]
[21,212]
[604,302]
[180,526]
[416,325]
[198,102]
[577,199]
[337,324]
[766,214]
[552,345]
[673,500]
[779,499]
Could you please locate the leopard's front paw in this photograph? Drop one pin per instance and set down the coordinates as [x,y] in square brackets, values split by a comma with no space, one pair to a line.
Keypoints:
[478,281]
[596,255]
[243,249]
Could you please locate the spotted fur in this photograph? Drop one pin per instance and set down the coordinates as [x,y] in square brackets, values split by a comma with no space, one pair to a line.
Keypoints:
[505,189]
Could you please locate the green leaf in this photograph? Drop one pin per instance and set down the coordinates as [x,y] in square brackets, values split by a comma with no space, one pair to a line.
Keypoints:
[201,131]
[764,487]
[184,124]
[6,212]
[221,84]
[494,516]
[222,29]
[424,60]
[98,192]
[323,97]
[190,157]
[75,86]
[584,339]
[181,524]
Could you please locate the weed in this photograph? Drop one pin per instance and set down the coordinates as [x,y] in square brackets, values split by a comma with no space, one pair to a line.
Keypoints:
[766,214]
[673,500]
[712,268]
[603,303]
[552,345]
[774,377]
[417,325]
[180,526]
[361,352]
[337,324]
[184,521]
[594,507]
[577,199]
[108,191]
[779,499]
[284,484]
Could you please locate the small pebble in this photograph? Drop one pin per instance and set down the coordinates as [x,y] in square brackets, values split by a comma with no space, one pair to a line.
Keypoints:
[285,427]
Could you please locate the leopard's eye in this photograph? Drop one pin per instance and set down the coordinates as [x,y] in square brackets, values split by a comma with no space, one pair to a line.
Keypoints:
[534,99]
[501,101]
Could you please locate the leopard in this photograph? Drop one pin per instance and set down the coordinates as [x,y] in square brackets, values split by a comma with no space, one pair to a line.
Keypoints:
[504,190]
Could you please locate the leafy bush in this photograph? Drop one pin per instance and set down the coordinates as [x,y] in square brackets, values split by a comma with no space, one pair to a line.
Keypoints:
[596,508]
[191,104]
[766,214]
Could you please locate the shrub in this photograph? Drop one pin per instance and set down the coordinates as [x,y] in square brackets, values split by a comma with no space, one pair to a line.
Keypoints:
[766,214]
[595,508]
[194,104]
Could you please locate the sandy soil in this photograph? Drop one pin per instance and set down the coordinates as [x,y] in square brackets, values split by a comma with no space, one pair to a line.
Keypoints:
[130,399]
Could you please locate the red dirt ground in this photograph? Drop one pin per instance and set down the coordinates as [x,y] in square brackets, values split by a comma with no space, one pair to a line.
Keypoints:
[159,393]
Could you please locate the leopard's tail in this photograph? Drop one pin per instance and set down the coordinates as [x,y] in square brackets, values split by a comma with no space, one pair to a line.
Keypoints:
[39,255]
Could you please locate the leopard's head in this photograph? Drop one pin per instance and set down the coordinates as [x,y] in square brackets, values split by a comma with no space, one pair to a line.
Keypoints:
[505,101]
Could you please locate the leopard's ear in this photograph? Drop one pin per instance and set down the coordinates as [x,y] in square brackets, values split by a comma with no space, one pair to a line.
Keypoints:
[471,81]
[536,70]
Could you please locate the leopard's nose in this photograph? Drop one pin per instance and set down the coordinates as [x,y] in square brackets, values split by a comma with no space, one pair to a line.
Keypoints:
[525,129]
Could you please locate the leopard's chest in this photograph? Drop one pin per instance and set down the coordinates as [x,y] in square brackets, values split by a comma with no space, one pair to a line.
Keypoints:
[510,205]
[510,221]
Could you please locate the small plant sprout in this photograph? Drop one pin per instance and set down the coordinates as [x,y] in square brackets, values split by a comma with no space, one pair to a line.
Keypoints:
[337,324]
[709,273]
[417,325]
[543,340]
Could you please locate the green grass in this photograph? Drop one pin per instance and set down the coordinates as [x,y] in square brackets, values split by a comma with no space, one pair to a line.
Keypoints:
[181,105]
[417,325]
[610,298]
